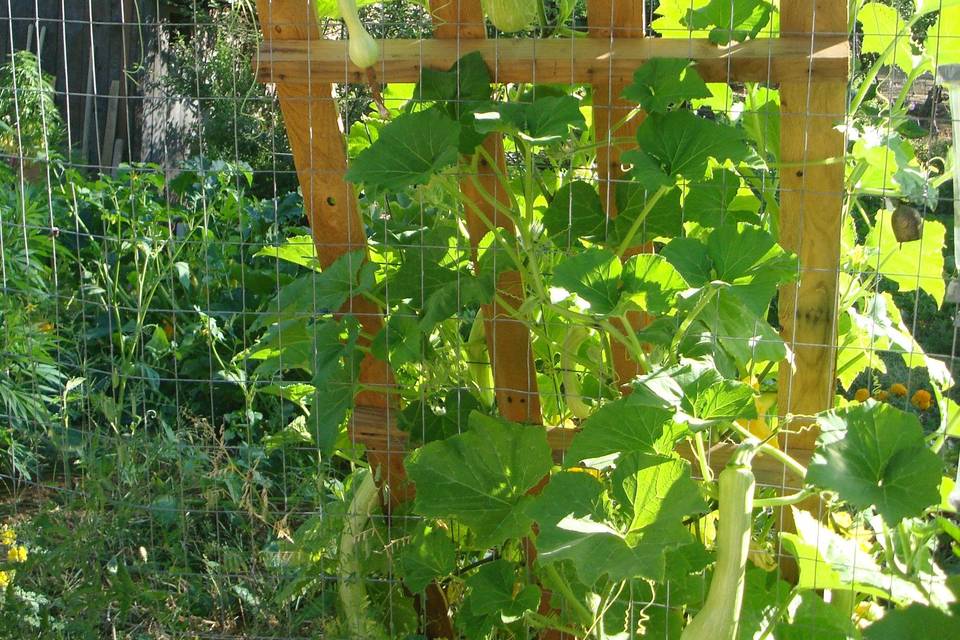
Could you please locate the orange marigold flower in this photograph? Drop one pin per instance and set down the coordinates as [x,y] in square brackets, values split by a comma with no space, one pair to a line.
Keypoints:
[862,395]
[922,400]
[898,389]
[883,395]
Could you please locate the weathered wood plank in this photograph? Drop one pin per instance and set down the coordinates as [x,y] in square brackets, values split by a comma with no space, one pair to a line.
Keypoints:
[568,60]
[811,202]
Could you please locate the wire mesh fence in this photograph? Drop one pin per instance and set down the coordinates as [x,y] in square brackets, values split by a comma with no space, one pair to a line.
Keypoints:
[473,342]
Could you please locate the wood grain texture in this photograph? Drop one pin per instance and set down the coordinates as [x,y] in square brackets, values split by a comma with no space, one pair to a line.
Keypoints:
[609,19]
[319,153]
[811,202]
[508,340]
[564,61]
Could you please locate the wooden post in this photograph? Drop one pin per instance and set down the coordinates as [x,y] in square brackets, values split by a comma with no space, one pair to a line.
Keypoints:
[811,202]
[508,340]
[319,154]
[615,19]
[110,129]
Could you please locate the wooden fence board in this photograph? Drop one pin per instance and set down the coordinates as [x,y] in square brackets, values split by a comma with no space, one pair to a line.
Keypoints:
[811,202]
[568,60]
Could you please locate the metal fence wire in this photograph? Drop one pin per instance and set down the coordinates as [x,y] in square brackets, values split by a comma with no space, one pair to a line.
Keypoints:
[553,319]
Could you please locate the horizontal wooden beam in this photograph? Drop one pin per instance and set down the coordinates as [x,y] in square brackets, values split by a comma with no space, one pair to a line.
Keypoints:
[376,427]
[565,61]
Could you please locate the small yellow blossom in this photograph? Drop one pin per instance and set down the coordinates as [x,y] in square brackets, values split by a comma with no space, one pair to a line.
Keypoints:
[8,536]
[17,554]
[898,389]
[922,400]
[5,578]
[883,395]
[861,395]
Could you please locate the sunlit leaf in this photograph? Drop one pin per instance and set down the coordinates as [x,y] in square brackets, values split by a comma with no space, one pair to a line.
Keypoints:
[482,477]
[873,454]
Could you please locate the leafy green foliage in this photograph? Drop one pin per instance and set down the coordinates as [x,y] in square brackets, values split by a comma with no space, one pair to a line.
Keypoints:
[731,20]
[545,120]
[428,555]
[874,455]
[193,280]
[407,152]
[681,143]
[496,599]
[574,212]
[481,477]
[662,83]
[578,522]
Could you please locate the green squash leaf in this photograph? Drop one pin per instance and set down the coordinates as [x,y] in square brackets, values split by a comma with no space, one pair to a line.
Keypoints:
[575,212]
[700,396]
[683,143]
[494,593]
[573,522]
[730,328]
[544,121]
[873,454]
[481,477]
[594,276]
[809,614]
[665,218]
[466,84]
[658,490]
[749,259]
[884,27]
[827,560]
[706,203]
[299,250]
[906,623]
[691,259]
[618,427]
[410,150]
[662,83]
[428,555]
[731,21]
[315,294]
[460,91]
[650,283]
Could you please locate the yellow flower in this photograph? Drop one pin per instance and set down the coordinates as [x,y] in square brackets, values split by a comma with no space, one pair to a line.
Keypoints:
[898,389]
[921,400]
[17,554]
[862,395]
[883,395]
[8,536]
[5,578]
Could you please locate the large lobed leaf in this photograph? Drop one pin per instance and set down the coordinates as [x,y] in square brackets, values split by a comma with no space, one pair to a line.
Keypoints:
[482,477]
[409,151]
[874,455]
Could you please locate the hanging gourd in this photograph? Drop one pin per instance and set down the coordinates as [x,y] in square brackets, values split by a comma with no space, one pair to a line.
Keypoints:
[511,15]
[363,49]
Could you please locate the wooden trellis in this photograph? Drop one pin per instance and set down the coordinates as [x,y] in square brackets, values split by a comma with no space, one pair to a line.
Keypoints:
[808,62]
